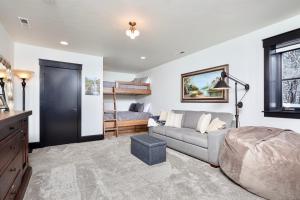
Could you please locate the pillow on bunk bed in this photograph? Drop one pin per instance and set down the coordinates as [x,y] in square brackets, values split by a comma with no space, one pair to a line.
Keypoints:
[132,107]
[139,107]
[141,80]
[147,107]
[136,107]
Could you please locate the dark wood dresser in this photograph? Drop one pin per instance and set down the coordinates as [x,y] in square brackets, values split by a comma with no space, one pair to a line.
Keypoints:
[15,171]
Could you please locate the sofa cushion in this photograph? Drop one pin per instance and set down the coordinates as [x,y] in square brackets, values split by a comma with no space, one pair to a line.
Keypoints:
[187,135]
[196,138]
[159,130]
[176,133]
[190,118]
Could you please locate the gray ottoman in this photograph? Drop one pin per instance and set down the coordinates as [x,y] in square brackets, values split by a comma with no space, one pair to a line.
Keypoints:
[148,149]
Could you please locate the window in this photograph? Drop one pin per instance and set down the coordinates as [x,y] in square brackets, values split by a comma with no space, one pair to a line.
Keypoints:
[290,79]
[282,75]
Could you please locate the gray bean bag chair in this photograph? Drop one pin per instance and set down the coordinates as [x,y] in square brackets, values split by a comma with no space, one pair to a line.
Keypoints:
[265,161]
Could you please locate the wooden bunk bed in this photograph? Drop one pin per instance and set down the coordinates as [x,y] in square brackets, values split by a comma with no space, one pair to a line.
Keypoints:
[115,126]
[126,88]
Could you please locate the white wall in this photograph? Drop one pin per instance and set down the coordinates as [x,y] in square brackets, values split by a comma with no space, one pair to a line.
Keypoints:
[245,58]
[6,45]
[117,76]
[27,57]
[123,101]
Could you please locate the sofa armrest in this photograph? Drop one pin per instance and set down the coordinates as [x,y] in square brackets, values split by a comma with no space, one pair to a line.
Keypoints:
[233,124]
[215,140]
[150,130]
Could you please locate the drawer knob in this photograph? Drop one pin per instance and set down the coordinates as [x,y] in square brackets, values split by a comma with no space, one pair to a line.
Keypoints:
[13,169]
[12,147]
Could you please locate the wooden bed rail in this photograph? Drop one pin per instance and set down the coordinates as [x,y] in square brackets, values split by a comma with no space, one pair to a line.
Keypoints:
[128,91]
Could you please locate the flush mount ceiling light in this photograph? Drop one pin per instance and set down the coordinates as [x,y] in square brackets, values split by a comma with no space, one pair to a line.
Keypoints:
[64,43]
[132,32]
[143,57]
[24,22]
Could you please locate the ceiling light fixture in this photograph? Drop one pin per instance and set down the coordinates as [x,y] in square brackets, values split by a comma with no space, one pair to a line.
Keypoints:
[143,57]
[23,21]
[64,43]
[132,32]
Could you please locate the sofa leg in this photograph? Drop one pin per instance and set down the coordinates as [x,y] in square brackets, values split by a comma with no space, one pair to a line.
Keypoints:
[214,166]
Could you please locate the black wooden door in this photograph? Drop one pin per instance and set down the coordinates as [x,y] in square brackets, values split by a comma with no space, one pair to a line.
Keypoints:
[60,102]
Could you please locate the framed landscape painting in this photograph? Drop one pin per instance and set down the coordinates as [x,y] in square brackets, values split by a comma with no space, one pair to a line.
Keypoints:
[198,86]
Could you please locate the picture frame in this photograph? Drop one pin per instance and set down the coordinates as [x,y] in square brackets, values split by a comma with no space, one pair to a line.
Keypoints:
[92,86]
[3,103]
[197,86]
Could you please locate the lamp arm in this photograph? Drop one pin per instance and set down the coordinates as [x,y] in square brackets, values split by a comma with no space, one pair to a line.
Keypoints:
[224,75]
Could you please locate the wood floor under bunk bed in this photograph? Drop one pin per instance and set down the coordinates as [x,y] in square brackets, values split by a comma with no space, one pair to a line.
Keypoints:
[124,127]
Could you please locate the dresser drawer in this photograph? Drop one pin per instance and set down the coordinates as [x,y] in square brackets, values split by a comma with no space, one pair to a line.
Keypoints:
[10,174]
[9,147]
[5,131]
[13,190]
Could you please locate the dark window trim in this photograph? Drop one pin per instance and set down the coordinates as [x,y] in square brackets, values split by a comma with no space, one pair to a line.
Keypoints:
[269,44]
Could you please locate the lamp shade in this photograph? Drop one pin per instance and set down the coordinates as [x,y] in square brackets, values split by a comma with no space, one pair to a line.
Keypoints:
[221,85]
[23,74]
[3,73]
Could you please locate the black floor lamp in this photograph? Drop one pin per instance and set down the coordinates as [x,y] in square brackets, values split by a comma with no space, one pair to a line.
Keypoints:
[222,85]
[23,75]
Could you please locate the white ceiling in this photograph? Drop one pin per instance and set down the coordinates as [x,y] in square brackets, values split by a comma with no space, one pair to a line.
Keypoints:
[167,26]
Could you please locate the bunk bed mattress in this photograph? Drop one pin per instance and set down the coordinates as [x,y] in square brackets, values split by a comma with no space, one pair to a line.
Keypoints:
[135,87]
[127,115]
[108,84]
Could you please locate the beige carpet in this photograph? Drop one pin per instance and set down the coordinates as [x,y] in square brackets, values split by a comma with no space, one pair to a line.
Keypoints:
[106,170]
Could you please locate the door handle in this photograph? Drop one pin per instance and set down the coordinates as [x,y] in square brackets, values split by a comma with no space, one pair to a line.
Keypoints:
[74,109]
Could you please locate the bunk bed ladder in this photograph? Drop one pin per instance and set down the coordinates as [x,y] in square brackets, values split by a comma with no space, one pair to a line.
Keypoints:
[114,120]
[115,111]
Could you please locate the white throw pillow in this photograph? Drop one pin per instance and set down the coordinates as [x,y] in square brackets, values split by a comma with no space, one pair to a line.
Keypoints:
[203,123]
[216,124]
[170,119]
[152,123]
[177,120]
[163,116]
[147,107]
[174,120]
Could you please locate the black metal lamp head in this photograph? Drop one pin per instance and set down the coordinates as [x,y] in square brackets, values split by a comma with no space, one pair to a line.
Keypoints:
[223,74]
[222,84]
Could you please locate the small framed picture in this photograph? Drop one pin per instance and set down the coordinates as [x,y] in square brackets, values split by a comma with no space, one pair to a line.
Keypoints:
[3,103]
